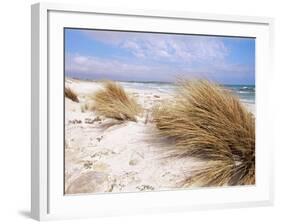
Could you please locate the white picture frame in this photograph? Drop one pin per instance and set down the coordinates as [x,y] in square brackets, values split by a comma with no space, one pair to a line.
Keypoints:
[47,198]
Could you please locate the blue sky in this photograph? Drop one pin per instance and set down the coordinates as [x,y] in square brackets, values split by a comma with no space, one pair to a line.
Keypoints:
[135,56]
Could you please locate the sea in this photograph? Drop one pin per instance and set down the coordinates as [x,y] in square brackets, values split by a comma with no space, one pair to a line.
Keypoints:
[246,93]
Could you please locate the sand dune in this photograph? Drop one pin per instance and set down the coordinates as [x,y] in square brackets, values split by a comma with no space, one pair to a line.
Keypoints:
[105,155]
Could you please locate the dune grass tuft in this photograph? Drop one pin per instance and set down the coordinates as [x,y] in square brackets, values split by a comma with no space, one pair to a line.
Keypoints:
[112,101]
[69,93]
[208,122]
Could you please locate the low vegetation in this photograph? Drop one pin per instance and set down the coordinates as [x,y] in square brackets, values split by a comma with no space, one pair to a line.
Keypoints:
[208,122]
[70,94]
[112,101]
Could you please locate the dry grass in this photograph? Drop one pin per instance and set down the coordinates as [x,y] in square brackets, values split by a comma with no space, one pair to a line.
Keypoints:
[69,93]
[112,101]
[208,122]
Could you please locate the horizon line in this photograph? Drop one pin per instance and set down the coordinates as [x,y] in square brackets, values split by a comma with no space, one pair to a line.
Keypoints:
[151,81]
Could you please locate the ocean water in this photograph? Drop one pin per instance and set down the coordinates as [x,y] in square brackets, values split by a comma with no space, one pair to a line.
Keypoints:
[246,93]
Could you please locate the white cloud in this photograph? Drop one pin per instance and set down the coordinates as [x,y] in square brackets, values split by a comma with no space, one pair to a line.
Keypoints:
[100,68]
[149,57]
[93,65]
[181,48]
[106,68]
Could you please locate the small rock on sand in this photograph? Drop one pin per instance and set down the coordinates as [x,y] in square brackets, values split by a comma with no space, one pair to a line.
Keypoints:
[133,162]
[90,182]
[135,158]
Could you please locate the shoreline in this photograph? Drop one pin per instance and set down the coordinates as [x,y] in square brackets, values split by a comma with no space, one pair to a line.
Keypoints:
[86,87]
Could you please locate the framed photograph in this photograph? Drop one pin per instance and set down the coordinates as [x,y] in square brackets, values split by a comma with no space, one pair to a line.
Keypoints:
[148,111]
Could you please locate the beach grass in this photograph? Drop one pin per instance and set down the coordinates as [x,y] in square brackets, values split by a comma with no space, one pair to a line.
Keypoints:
[112,101]
[70,94]
[208,122]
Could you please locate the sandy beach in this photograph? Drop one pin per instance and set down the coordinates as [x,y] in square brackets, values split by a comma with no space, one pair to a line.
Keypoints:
[106,155]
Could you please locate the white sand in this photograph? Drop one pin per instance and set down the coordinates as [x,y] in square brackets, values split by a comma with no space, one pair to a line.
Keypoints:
[104,155]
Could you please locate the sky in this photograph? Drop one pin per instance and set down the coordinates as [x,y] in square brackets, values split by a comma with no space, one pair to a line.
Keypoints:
[141,56]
